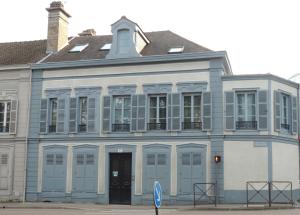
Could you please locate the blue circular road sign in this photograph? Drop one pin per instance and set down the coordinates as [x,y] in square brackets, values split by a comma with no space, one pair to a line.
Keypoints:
[157,192]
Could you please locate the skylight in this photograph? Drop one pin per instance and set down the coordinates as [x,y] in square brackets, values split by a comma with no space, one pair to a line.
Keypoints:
[176,50]
[106,46]
[79,48]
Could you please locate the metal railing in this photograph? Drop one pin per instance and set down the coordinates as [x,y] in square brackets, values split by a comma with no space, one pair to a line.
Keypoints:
[205,192]
[121,127]
[82,128]
[246,125]
[192,125]
[285,126]
[52,128]
[269,192]
[157,126]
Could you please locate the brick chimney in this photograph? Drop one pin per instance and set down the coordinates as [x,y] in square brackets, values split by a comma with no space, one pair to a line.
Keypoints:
[57,27]
[87,32]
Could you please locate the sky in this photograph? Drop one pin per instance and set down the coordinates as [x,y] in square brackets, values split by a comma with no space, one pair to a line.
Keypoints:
[260,36]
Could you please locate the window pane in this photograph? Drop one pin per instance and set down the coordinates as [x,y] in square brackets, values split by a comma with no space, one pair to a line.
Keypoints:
[152,101]
[197,113]
[187,120]
[59,159]
[83,110]
[50,159]
[89,159]
[1,117]
[162,101]
[80,159]
[241,99]
[161,159]
[118,116]
[251,99]
[8,107]
[185,158]
[197,100]
[127,103]
[187,112]
[162,120]
[187,101]
[162,113]
[118,102]
[1,107]
[126,116]
[53,103]
[196,159]
[153,113]
[150,159]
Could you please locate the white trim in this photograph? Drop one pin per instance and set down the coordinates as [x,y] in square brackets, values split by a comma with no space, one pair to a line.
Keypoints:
[40,168]
[69,176]
[101,169]
[173,190]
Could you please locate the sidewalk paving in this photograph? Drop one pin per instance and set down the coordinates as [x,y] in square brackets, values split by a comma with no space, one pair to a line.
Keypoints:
[85,206]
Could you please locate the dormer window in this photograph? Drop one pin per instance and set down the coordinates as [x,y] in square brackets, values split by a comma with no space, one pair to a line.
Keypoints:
[176,50]
[79,48]
[106,47]
[123,41]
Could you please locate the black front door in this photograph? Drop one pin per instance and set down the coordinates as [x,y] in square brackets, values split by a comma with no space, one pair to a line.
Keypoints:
[120,178]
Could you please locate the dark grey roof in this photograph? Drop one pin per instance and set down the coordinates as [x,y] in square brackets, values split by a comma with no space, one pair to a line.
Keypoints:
[160,43]
[22,52]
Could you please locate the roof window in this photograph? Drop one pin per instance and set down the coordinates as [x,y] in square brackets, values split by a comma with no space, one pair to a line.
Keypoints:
[105,47]
[79,48]
[176,50]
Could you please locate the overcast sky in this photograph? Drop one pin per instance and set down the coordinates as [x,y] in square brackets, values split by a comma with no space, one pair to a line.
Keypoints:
[260,36]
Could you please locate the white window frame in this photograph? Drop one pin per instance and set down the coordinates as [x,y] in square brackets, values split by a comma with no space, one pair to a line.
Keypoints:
[80,111]
[5,115]
[51,111]
[246,93]
[122,109]
[192,95]
[157,108]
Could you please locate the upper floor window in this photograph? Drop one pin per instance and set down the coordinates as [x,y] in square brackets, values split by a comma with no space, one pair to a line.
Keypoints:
[53,115]
[157,112]
[123,41]
[246,111]
[5,107]
[122,110]
[192,111]
[83,114]
[285,112]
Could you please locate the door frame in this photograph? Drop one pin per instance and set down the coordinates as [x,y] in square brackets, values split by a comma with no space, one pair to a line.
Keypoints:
[120,148]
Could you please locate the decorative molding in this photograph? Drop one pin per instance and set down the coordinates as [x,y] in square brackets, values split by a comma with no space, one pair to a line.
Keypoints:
[58,92]
[87,91]
[157,88]
[189,87]
[122,90]
[8,94]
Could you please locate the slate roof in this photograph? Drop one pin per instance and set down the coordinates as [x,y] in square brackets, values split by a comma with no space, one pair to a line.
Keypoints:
[160,43]
[22,52]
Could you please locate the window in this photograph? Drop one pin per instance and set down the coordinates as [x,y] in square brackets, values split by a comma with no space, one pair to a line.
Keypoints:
[122,110]
[106,47]
[196,159]
[123,41]
[59,159]
[53,115]
[80,159]
[185,158]
[5,107]
[285,112]
[82,114]
[176,50]
[90,159]
[50,159]
[157,112]
[161,159]
[192,111]
[79,48]
[246,111]
[150,159]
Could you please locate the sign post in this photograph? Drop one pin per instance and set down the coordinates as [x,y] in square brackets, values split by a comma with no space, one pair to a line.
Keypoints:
[157,196]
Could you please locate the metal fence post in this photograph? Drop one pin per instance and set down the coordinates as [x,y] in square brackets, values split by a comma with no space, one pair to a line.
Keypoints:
[270,197]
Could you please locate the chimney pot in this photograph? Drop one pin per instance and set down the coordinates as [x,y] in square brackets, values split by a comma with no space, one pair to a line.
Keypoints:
[88,32]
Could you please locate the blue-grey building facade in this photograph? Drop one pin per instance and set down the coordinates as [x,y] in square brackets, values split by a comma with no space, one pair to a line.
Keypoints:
[112,114]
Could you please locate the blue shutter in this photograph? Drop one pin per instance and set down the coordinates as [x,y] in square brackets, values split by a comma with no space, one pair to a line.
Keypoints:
[106,114]
[229,110]
[277,110]
[73,116]
[141,113]
[43,116]
[13,117]
[176,123]
[262,110]
[207,119]
[61,116]
[91,125]
[294,115]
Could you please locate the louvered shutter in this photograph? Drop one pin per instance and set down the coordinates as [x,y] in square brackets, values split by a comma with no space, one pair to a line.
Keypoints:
[134,113]
[61,116]
[277,110]
[43,116]
[262,110]
[294,115]
[141,113]
[229,111]
[176,112]
[13,117]
[73,115]
[91,125]
[169,109]
[107,114]
[207,118]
